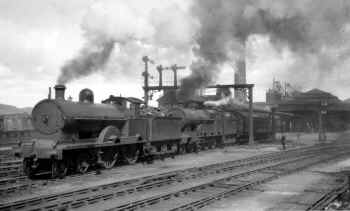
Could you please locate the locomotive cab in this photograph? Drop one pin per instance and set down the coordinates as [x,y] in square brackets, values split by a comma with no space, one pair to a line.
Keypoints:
[131,104]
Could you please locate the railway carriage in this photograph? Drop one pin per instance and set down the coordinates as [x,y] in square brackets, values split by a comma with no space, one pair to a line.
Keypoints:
[15,128]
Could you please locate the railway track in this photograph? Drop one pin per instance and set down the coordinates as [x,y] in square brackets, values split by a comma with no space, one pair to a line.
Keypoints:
[330,196]
[11,176]
[10,162]
[200,195]
[14,182]
[11,171]
[7,155]
[14,185]
[10,167]
[135,187]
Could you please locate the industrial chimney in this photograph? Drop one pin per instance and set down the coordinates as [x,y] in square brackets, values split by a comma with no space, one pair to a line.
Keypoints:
[240,78]
[59,91]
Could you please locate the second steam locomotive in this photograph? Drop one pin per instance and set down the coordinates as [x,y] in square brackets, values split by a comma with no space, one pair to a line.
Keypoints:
[76,136]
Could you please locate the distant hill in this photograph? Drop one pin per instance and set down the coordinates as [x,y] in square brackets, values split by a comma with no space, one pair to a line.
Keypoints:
[9,109]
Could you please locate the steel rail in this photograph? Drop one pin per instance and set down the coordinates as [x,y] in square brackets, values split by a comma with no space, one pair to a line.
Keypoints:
[148,182]
[330,196]
[211,198]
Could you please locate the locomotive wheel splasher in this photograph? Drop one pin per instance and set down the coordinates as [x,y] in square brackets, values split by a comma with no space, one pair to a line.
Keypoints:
[108,157]
[109,133]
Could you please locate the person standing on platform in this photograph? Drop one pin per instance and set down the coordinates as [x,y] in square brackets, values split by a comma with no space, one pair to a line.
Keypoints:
[283,142]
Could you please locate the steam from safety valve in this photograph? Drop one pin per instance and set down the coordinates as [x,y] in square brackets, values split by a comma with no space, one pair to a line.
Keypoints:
[225,97]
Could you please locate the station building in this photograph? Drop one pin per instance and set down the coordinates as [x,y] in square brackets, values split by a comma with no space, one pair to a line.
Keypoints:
[309,107]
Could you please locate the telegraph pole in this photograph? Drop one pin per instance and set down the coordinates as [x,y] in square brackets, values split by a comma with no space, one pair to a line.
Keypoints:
[160,72]
[147,88]
[273,123]
[251,124]
[321,128]
[175,68]
[145,74]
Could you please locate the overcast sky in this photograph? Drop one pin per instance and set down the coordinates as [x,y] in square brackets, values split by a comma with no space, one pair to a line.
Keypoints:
[38,37]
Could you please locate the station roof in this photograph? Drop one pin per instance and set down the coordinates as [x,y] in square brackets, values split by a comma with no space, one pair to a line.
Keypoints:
[314,96]
[311,100]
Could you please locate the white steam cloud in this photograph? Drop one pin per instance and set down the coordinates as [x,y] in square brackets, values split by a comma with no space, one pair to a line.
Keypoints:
[124,30]
[209,34]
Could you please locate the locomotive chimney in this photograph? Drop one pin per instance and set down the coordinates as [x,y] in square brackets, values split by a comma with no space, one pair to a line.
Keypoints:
[59,91]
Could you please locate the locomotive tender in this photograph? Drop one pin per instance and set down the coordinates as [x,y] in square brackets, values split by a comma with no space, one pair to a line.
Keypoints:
[74,136]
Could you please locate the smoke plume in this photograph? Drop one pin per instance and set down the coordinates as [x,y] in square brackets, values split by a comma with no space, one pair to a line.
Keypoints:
[119,33]
[90,59]
[210,34]
[307,28]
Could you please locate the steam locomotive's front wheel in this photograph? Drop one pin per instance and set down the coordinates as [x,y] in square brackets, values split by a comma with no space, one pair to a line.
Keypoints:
[58,169]
[212,145]
[182,148]
[27,169]
[109,158]
[131,154]
[83,163]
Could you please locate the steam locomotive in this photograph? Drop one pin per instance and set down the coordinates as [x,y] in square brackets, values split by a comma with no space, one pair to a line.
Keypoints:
[76,136]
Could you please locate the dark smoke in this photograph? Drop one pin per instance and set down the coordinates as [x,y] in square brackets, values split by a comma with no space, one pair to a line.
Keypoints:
[308,28]
[198,78]
[91,58]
